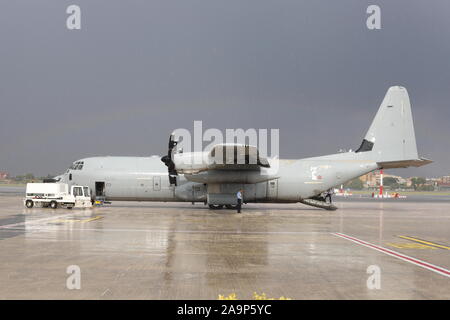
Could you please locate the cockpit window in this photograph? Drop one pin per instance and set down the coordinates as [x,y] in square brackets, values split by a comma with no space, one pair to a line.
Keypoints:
[77,165]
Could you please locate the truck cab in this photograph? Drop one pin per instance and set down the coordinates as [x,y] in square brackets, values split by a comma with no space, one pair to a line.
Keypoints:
[82,196]
[56,195]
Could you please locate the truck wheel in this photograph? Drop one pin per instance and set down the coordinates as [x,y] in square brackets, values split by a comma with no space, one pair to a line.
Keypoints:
[29,204]
[216,206]
[53,204]
[230,206]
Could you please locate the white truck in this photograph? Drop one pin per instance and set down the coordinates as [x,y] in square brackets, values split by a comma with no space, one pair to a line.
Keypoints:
[56,195]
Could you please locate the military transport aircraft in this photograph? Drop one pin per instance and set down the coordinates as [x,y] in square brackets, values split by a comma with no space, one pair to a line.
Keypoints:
[389,143]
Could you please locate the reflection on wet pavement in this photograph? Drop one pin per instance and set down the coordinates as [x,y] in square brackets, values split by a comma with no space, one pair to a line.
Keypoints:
[183,251]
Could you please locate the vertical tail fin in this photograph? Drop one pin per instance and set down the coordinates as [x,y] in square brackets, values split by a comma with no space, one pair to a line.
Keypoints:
[391,139]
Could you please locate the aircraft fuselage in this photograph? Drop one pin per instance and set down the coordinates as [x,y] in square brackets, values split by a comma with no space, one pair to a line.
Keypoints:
[146,179]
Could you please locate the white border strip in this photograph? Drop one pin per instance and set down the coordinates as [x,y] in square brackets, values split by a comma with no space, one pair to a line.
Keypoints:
[417,262]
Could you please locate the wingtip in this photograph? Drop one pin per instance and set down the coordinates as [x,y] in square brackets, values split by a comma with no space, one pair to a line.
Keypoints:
[426,161]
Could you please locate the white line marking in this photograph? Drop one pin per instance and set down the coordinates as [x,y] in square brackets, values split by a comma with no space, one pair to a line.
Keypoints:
[417,262]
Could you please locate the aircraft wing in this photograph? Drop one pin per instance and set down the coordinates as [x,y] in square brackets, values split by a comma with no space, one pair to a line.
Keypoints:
[220,157]
[236,157]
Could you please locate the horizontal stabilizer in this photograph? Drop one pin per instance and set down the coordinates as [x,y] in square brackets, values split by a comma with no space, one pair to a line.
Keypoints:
[404,163]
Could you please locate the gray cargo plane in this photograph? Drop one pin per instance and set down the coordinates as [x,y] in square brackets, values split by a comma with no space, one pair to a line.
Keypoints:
[389,143]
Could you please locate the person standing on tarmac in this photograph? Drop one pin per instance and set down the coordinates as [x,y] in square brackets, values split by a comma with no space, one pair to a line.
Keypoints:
[328,195]
[239,200]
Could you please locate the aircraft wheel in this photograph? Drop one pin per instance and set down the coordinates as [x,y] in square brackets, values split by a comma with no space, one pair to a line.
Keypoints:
[53,204]
[29,204]
[216,206]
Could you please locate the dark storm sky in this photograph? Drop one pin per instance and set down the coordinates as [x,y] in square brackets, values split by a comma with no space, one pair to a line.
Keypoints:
[139,69]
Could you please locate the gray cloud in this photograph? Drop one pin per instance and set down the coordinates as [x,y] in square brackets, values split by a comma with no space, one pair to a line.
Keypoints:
[139,69]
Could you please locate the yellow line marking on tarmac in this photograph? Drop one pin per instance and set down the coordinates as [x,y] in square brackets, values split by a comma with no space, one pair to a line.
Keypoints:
[76,220]
[64,220]
[409,246]
[425,242]
[92,219]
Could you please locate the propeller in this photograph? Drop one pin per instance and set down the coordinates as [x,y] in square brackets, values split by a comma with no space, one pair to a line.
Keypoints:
[168,161]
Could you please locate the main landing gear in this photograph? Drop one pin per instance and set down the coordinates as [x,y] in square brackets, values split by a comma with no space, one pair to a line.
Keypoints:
[220,206]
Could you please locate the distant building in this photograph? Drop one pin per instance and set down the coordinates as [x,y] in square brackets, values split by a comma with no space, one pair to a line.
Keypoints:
[409,182]
[443,186]
[443,183]
[4,175]
[369,180]
[445,179]
[372,179]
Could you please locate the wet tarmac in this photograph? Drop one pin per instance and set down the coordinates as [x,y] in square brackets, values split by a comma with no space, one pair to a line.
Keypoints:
[367,249]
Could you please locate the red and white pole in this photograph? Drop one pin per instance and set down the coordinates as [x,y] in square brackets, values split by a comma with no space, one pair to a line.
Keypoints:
[381,183]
